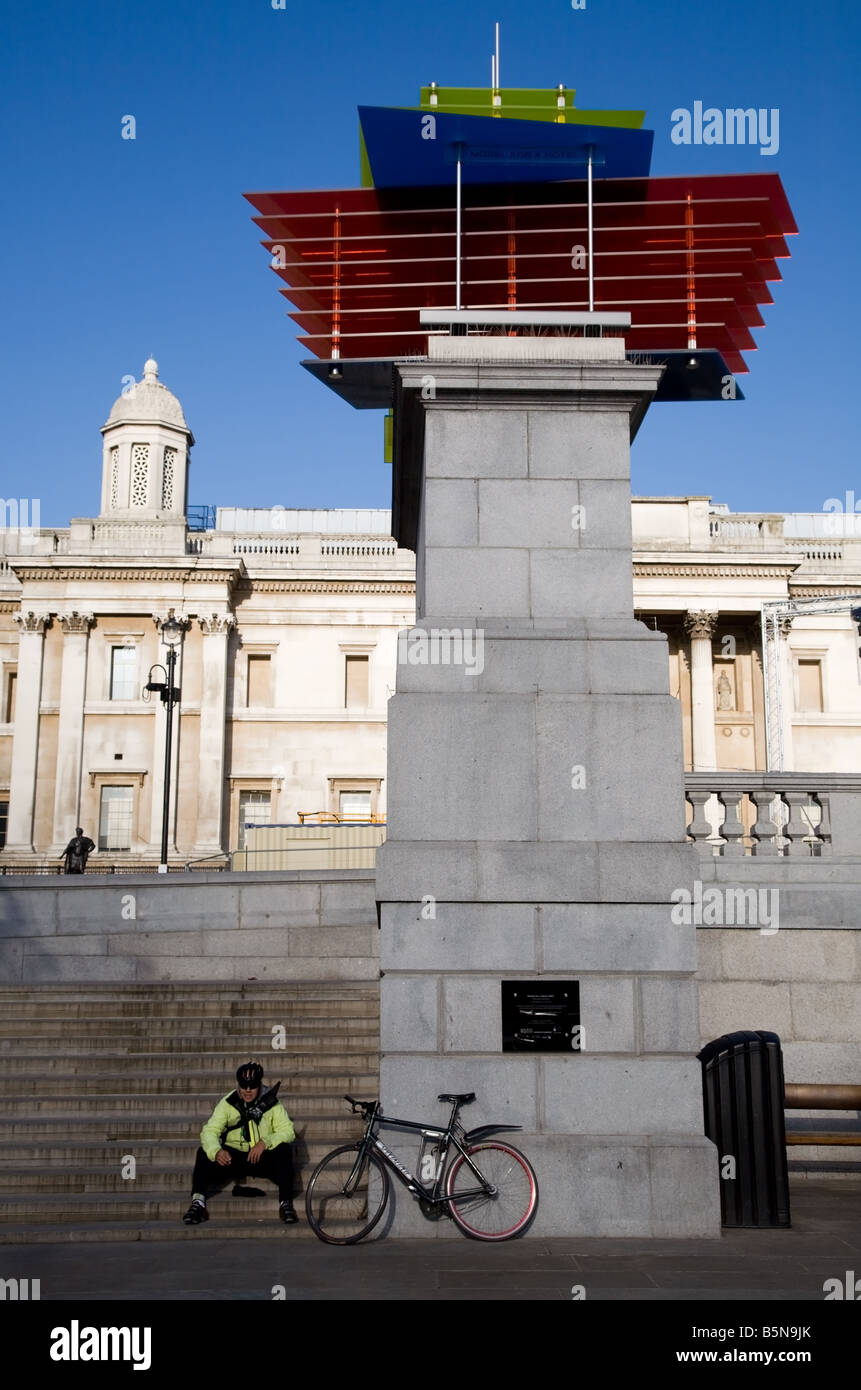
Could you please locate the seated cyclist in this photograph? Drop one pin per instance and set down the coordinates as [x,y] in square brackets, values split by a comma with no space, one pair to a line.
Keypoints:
[248,1131]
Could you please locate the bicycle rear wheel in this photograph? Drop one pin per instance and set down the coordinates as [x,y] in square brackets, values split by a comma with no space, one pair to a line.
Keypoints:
[346,1197]
[510,1210]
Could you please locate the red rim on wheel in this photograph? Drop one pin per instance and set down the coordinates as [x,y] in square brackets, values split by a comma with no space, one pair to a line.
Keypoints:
[500,1217]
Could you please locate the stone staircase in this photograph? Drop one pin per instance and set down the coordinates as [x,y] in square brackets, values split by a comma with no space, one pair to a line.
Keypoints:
[92,1073]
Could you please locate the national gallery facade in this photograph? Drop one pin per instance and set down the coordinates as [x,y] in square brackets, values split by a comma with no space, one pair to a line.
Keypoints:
[289,652]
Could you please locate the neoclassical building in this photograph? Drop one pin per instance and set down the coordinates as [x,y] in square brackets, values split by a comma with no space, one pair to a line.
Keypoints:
[289,650]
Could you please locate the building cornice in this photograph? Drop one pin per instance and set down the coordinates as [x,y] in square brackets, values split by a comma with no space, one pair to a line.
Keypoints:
[668,569]
[330,586]
[152,571]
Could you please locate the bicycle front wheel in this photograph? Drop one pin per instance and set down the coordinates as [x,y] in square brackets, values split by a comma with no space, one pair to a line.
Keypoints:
[346,1195]
[510,1209]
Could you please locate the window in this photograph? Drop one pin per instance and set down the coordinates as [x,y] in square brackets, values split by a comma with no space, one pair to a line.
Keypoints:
[254,807]
[4,821]
[356,683]
[123,673]
[9,697]
[809,686]
[354,806]
[115,817]
[259,682]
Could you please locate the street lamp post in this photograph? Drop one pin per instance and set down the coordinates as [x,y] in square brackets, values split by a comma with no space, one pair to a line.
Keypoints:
[171,632]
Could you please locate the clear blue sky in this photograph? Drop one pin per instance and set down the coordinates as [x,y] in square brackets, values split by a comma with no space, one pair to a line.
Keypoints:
[114,249]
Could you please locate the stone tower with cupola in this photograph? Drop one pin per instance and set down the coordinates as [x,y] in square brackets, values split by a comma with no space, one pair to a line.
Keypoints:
[145,454]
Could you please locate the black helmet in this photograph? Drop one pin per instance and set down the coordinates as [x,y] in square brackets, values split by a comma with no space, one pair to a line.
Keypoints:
[249,1075]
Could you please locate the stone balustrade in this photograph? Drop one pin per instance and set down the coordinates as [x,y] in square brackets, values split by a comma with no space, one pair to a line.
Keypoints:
[734,814]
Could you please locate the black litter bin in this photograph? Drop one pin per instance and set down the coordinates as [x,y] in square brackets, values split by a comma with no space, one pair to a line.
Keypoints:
[743,1105]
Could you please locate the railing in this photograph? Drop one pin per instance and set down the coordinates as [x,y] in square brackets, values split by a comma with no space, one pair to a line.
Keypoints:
[796,814]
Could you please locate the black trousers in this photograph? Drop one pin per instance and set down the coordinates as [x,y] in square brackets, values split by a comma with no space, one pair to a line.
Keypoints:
[275,1164]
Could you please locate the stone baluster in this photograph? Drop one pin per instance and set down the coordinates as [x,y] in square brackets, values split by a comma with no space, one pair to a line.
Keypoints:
[732,829]
[700,827]
[764,830]
[798,828]
[823,829]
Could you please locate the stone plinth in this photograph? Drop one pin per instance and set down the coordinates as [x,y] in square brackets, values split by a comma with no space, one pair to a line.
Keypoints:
[535,799]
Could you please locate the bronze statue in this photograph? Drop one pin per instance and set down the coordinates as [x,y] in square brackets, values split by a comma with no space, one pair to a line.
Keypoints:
[76,853]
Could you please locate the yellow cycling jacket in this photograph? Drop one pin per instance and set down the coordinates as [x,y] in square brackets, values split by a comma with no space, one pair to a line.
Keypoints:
[275,1128]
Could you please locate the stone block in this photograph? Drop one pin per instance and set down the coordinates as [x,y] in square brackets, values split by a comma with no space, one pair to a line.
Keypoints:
[445,779]
[826,1012]
[175,943]
[821,1063]
[347,942]
[586,445]
[614,936]
[409,1014]
[472,444]
[462,936]
[472,1014]
[506,1090]
[685,1187]
[611,743]
[451,511]
[350,903]
[727,1007]
[28,912]
[632,667]
[607,1014]
[669,1013]
[632,872]
[576,582]
[288,905]
[608,1095]
[534,514]
[11,962]
[589,1187]
[477,583]
[95,945]
[748,954]
[606,515]
[78,969]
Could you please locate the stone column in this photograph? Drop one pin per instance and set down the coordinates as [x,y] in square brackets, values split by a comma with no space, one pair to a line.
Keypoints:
[701,629]
[25,746]
[70,736]
[216,630]
[535,793]
[787,691]
[159,733]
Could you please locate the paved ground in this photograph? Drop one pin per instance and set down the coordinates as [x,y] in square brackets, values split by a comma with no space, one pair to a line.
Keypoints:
[824,1243]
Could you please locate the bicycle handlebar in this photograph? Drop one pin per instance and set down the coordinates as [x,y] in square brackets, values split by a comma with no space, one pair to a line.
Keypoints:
[364,1105]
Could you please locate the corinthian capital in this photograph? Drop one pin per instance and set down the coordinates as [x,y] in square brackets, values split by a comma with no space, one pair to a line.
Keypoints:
[76,622]
[784,625]
[32,622]
[701,624]
[217,624]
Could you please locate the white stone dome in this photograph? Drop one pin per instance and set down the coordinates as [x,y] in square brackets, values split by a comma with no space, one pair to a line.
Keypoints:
[147,401]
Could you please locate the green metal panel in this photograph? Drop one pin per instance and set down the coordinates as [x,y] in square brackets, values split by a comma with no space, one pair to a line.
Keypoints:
[388,437]
[524,104]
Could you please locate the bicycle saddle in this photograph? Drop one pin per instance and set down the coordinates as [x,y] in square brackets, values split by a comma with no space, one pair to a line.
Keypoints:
[466,1099]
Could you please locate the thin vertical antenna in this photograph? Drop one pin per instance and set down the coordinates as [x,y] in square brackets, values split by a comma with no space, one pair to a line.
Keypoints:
[591,271]
[492,73]
[497,54]
[457,235]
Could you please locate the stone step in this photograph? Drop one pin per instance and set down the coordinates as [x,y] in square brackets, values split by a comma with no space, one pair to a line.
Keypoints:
[320,1087]
[136,1080]
[168,1028]
[323,1132]
[252,1225]
[107,1179]
[136,1208]
[212,1037]
[159,1069]
[99,989]
[119,1049]
[119,1008]
[327,1114]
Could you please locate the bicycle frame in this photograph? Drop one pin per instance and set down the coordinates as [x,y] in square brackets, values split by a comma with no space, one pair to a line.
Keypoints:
[447,1137]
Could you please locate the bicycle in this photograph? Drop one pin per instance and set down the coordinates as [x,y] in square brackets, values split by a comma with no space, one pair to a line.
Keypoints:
[496,1201]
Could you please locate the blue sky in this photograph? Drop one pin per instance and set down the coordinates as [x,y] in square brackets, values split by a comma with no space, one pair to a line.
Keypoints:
[114,249]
